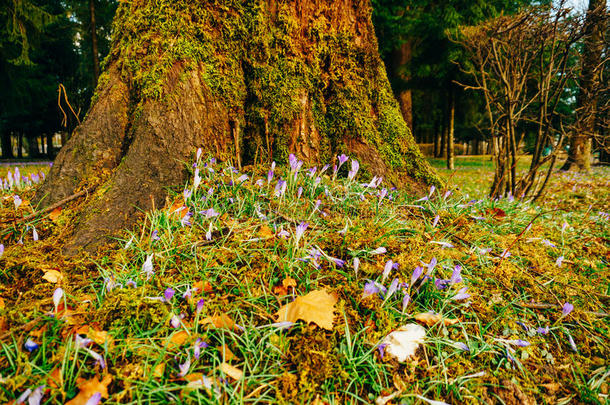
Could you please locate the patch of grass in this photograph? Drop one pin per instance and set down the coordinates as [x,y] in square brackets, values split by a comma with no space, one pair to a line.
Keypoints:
[229,256]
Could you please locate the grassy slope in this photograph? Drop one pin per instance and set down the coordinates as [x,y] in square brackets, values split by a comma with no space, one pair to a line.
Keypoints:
[241,271]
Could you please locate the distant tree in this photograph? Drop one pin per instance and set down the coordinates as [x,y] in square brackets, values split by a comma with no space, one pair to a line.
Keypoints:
[591,87]
[524,65]
[420,57]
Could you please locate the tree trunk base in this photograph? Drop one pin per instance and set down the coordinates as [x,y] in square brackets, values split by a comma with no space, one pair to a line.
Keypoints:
[318,90]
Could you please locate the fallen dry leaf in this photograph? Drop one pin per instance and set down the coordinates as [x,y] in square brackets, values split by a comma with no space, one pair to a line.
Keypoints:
[55,380]
[54,215]
[403,342]
[89,387]
[179,338]
[431,319]
[227,354]
[221,321]
[158,370]
[52,276]
[317,307]
[265,232]
[231,371]
[289,282]
[2,304]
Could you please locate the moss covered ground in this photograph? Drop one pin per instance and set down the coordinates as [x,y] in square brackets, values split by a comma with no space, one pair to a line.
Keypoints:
[183,307]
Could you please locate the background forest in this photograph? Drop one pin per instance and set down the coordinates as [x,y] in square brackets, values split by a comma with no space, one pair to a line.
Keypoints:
[51,52]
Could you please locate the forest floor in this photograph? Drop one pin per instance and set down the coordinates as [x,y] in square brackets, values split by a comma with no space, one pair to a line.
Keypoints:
[234,299]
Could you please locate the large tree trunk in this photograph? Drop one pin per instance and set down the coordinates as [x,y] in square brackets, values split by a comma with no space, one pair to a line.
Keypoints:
[247,81]
[579,154]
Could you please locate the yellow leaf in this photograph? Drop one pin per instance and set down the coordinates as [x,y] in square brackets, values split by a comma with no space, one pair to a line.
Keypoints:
[54,215]
[2,304]
[159,370]
[231,371]
[52,276]
[55,380]
[179,338]
[265,232]
[88,388]
[221,321]
[317,307]
[99,336]
[430,319]
[227,354]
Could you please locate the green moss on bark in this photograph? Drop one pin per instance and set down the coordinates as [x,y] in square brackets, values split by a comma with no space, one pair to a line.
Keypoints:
[260,63]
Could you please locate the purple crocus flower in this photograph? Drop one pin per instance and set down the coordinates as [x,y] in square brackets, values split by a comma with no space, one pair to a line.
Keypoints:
[559,261]
[1,249]
[518,342]
[147,267]
[543,331]
[186,219]
[566,309]
[342,159]
[338,262]
[381,349]
[462,346]
[356,265]
[57,295]
[300,231]
[154,235]
[405,301]
[461,295]
[431,266]
[435,222]
[379,251]
[199,152]
[352,173]
[209,213]
[280,188]
[186,194]
[441,284]
[168,294]
[524,326]
[196,179]
[131,283]
[317,206]
[36,396]
[30,345]
[416,274]
[17,200]
[371,288]
[383,193]
[456,276]
[200,305]
[432,189]
[174,322]
[386,270]
[21,399]
[572,344]
[270,173]
[392,289]
[299,192]
[184,368]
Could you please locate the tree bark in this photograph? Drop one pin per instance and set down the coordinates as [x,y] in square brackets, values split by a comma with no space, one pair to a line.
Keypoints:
[249,82]
[94,48]
[579,154]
